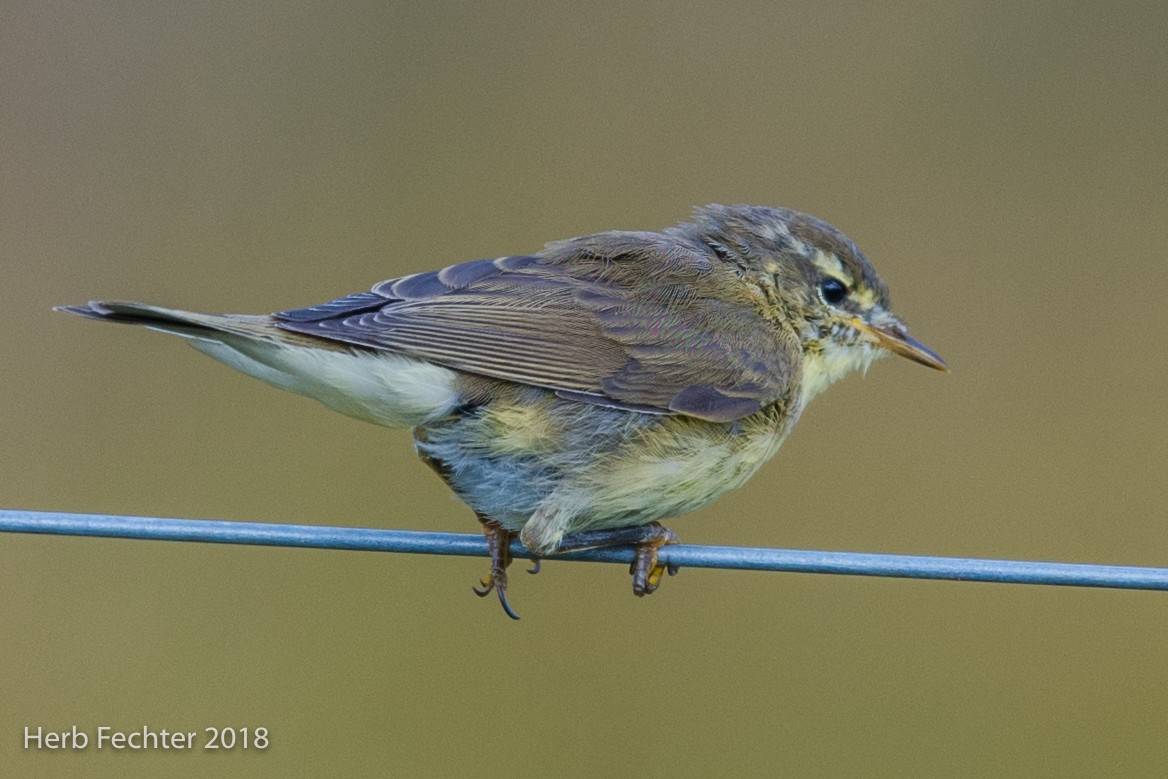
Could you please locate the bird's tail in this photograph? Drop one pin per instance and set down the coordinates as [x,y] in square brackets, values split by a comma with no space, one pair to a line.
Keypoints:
[188,324]
[372,385]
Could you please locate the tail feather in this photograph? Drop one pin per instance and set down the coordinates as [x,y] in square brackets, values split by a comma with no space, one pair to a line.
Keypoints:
[169,320]
[372,385]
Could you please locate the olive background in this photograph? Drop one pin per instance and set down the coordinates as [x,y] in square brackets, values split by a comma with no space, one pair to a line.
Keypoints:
[1006,170]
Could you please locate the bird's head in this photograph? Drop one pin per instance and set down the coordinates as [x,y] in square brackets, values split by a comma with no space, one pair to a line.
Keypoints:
[828,291]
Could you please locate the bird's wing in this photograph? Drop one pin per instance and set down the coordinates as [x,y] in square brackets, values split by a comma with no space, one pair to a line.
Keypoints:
[621,319]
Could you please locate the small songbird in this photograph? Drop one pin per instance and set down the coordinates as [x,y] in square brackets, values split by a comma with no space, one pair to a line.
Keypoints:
[576,396]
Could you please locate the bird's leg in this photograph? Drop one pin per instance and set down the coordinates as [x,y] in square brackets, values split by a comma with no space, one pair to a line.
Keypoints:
[499,545]
[648,539]
[645,568]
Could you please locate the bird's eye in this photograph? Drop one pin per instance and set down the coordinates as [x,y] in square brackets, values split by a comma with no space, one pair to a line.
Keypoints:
[833,291]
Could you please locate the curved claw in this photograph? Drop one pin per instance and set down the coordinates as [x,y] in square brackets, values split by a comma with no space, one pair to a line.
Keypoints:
[536,564]
[499,546]
[503,602]
[483,588]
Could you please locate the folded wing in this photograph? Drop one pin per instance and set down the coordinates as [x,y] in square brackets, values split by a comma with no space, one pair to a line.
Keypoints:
[630,320]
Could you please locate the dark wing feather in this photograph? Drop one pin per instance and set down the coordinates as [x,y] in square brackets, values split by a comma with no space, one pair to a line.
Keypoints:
[631,320]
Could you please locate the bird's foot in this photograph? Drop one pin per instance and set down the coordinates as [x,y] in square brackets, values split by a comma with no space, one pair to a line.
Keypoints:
[648,539]
[499,545]
[646,570]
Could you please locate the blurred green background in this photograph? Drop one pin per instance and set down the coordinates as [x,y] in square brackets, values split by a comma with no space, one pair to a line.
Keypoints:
[1004,167]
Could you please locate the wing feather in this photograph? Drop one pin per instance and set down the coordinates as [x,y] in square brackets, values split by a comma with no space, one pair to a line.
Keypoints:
[630,320]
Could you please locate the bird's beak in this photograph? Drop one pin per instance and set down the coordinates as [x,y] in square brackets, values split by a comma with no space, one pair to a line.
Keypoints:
[895,338]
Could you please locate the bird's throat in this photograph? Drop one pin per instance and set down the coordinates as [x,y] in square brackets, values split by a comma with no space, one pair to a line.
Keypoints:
[828,361]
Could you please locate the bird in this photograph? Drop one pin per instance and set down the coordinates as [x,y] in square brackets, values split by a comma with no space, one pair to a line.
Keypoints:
[575,397]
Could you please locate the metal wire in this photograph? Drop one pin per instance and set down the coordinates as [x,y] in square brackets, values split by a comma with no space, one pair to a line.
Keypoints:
[686,556]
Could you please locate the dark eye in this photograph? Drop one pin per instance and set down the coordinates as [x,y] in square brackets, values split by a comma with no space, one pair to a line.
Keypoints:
[833,291]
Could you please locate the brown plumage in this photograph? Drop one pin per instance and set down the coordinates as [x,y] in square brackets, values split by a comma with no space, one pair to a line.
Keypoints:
[577,395]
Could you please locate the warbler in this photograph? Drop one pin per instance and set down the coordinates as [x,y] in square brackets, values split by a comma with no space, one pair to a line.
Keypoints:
[576,396]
